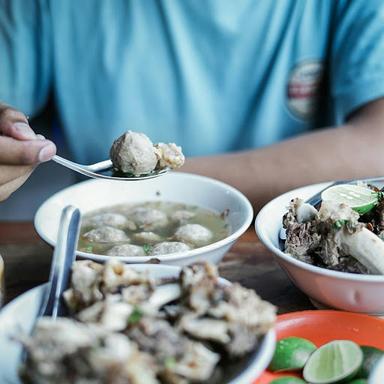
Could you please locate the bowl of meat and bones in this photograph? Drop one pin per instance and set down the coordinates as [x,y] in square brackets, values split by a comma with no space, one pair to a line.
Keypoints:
[142,324]
[333,250]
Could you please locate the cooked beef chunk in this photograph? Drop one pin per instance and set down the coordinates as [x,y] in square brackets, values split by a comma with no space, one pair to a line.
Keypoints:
[194,234]
[106,235]
[126,250]
[133,153]
[168,247]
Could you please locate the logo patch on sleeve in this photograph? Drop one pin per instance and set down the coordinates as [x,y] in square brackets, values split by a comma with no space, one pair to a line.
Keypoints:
[303,88]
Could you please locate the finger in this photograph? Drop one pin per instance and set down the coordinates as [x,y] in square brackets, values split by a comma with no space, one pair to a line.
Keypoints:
[12,172]
[30,152]
[20,131]
[10,113]
[7,189]
[15,124]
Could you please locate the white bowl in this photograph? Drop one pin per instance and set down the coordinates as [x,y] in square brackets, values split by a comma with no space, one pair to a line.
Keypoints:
[174,187]
[377,376]
[18,317]
[326,288]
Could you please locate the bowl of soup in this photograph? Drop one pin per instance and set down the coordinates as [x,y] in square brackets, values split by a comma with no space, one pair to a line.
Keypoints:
[176,219]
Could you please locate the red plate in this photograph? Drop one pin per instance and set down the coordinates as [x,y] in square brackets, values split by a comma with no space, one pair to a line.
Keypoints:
[323,326]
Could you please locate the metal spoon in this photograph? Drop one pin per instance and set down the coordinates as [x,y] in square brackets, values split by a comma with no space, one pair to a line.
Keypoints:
[104,170]
[63,257]
[51,304]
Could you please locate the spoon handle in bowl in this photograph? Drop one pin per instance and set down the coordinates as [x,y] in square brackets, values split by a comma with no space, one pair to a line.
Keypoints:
[63,257]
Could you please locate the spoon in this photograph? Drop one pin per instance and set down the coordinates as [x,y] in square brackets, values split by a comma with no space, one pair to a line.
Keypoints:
[51,304]
[104,170]
[63,257]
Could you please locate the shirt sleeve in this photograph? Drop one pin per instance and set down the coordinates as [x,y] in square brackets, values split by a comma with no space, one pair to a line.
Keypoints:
[25,54]
[357,56]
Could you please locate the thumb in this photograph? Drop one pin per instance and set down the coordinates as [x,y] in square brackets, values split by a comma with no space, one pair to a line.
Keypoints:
[18,152]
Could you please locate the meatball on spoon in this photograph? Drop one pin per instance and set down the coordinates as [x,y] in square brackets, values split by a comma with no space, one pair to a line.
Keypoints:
[133,157]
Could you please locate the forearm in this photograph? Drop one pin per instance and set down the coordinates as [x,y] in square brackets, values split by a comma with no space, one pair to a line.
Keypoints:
[341,153]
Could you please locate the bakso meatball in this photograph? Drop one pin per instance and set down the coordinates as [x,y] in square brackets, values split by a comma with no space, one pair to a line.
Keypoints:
[126,250]
[149,218]
[106,235]
[110,219]
[167,247]
[169,155]
[194,234]
[182,215]
[134,153]
[147,237]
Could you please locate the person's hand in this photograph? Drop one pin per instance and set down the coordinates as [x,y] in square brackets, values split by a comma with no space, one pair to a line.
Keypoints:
[21,150]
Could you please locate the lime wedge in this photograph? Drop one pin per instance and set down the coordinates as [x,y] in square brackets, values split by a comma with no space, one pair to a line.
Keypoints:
[371,356]
[333,362]
[358,381]
[291,354]
[360,199]
[287,380]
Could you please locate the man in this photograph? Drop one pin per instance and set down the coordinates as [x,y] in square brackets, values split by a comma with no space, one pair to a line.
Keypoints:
[225,79]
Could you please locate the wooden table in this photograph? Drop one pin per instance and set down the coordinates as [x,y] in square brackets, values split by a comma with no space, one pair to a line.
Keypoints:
[27,260]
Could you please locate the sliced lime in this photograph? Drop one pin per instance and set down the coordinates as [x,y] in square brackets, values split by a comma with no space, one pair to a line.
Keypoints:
[360,199]
[288,380]
[371,356]
[358,381]
[333,362]
[291,354]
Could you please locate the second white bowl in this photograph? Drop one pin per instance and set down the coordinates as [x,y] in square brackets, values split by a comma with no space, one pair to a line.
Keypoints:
[326,288]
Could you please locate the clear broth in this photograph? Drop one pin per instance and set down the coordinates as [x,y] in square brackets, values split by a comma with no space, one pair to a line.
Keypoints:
[215,222]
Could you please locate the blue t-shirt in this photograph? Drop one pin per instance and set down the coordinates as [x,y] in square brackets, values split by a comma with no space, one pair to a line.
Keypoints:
[212,75]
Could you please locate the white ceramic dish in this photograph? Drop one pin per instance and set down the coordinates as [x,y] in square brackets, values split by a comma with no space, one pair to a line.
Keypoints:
[17,317]
[175,187]
[326,288]
[377,376]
